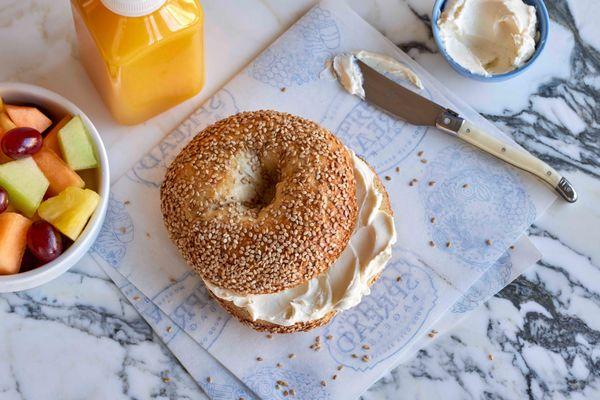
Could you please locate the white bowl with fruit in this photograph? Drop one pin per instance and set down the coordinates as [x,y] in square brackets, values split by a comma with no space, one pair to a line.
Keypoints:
[54,185]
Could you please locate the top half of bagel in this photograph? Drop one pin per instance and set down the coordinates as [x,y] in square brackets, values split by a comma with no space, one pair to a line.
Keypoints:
[261,201]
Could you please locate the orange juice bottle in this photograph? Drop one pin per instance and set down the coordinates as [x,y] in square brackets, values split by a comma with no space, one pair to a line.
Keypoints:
[144,56]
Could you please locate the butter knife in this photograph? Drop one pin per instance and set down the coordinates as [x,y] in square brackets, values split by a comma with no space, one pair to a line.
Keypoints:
[417,110]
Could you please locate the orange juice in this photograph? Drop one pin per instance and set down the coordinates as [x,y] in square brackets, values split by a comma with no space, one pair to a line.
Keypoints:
[144,56]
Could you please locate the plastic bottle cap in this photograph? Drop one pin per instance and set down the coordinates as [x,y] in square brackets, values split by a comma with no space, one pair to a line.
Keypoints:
[133,8]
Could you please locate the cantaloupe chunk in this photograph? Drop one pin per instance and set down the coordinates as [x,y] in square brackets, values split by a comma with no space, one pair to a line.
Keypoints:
[51,139]
[13,240]
[58,173]
[70,210]
[29,117]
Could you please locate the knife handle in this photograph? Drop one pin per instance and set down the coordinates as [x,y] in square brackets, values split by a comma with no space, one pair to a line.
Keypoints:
[518,158]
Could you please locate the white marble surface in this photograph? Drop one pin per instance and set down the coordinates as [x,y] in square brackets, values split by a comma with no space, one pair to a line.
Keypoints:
[78,338]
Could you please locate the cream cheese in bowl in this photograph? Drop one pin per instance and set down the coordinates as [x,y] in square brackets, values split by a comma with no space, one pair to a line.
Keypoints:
[488,37]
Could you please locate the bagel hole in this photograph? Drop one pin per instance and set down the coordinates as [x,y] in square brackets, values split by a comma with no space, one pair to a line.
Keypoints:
[254,181]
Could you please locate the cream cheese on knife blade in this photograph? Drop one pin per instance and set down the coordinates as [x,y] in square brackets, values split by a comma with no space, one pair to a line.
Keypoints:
[349,75]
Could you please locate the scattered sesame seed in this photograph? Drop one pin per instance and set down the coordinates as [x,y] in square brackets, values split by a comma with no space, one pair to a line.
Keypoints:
[397,169]
[282,383]
[365,358]
[354,355]
[431,243]
[291,355]
[329,337]
[279,365]
[431,183]
[148,235]
[340,367]
[466,185]
[366,346]
[388,178]
[420,153]
[448,244]
[488,242]
[398,278]
[136,297]
[292,392]
[512,247]
[490,356]
[209,379]
[166,379]
[126,202]
[123,229]
[285,393]
[283,89]
[334,377]
[169,328]
[423,161]
[323,383]
[259,359]
[269,336]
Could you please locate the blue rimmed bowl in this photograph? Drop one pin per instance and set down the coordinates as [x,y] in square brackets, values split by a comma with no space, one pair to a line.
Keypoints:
[543,25]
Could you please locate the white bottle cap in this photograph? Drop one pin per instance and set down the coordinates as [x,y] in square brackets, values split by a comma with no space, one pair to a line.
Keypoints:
[133,8]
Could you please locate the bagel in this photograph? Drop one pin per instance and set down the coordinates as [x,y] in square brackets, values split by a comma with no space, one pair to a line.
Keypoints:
[261,205]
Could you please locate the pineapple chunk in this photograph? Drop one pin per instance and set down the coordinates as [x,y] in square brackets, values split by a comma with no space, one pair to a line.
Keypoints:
[70,210]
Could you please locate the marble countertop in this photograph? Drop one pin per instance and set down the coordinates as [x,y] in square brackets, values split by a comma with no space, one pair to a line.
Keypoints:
[78,338]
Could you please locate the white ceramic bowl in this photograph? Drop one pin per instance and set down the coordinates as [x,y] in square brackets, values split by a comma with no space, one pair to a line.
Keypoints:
[55,104]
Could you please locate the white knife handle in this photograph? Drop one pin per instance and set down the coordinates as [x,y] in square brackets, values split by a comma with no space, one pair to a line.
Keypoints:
[517,157]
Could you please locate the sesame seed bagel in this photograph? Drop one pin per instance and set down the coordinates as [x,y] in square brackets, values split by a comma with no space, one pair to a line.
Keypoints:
[260,202]
[265,326]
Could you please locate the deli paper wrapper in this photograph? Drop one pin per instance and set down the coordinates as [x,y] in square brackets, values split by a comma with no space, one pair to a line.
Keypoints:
[223,385]
[497,204]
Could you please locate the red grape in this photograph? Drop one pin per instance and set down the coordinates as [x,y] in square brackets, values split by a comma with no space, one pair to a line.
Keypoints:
[44,241]
[21,142]
[3,200]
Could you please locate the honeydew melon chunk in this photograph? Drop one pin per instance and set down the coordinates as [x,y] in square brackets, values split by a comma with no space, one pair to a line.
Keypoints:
[76,146]
[13,240]
[25,184]
[70,210]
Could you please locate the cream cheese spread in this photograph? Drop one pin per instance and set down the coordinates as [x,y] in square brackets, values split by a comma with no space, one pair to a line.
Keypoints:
[350,77]
[346,281]
[488,37]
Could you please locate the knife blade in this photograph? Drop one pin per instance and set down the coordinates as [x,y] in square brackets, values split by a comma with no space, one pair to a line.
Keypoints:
[418,110]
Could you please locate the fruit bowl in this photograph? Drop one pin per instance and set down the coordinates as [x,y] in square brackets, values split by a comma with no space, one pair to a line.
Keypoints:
[56,105]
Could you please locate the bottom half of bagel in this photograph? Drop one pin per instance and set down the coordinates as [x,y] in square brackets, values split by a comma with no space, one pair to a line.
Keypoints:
[315,302]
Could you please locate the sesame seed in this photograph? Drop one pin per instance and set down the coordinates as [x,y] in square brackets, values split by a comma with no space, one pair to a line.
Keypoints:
[283,89]
[397,169]
[354,356]
[432,220]
[136,297]
[398,279]
[431,243]
[365,358]
[334,377]
[420,153]
[490,356]
[329,337]
[423,161]
[291,355]
[323,383]
[488,242]
[166,379]
[209,379]
[512,247]
[269,336]
[340,367]
[366,346]
[259,359]
[388,178]
[279,365]
[169,328]
[431,183]
[448,244]
[466,185]
[126,202]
